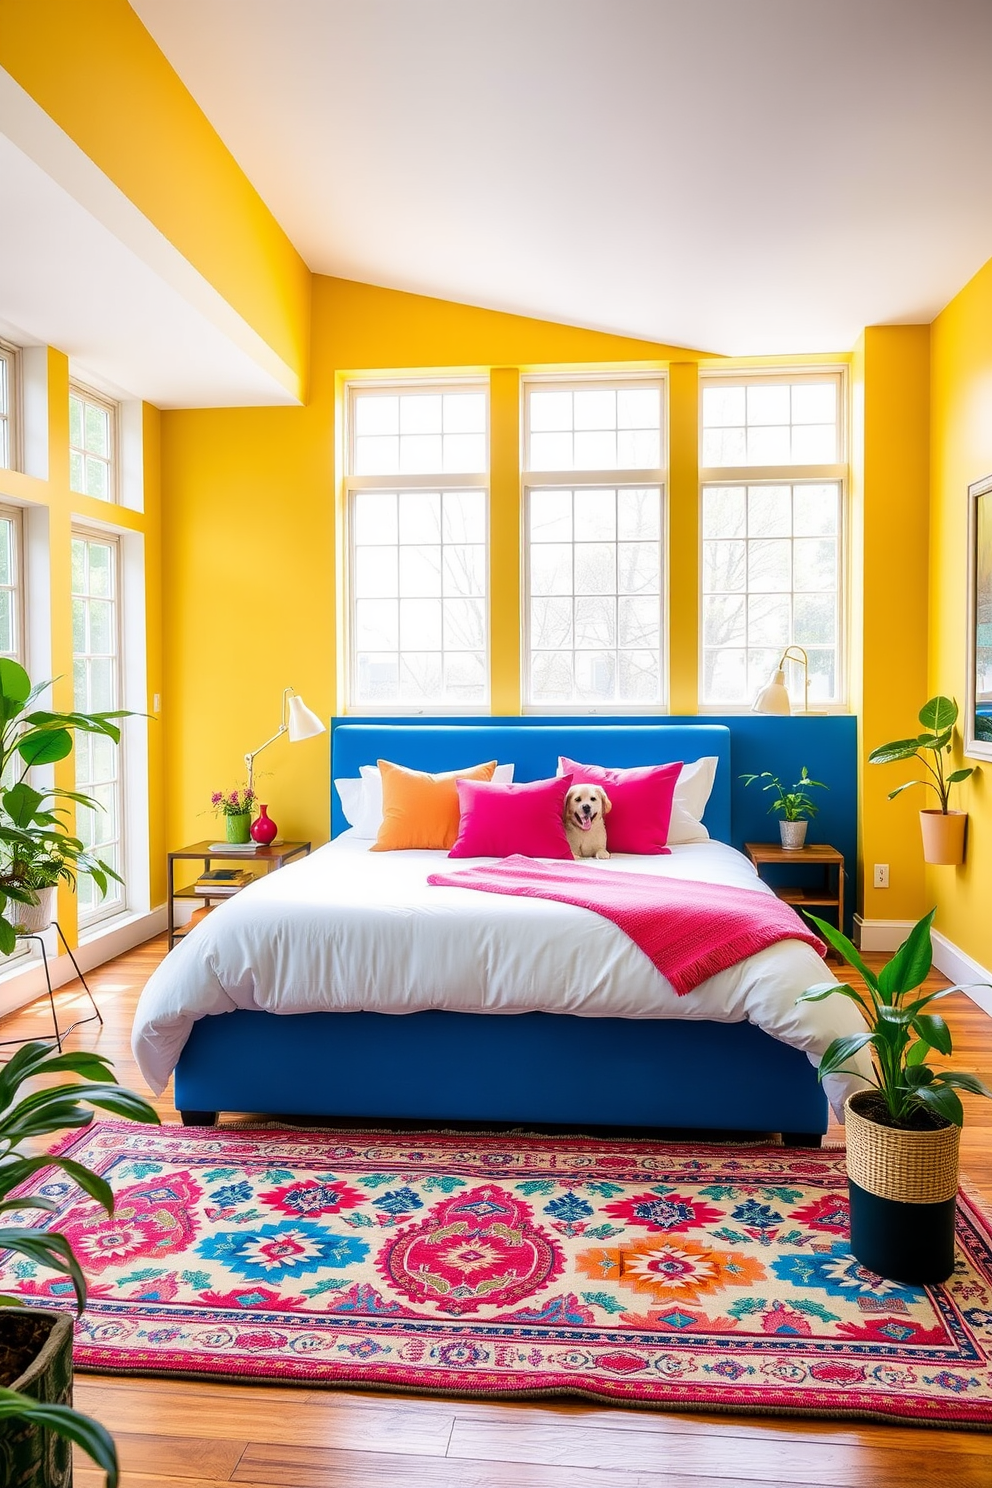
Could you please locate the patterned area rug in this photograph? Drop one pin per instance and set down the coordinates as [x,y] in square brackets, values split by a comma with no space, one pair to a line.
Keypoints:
[710,1278]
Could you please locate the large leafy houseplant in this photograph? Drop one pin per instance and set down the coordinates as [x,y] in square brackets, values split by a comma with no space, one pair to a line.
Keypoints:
[37,850]
[938,717]
[901,1032]
[24,1119]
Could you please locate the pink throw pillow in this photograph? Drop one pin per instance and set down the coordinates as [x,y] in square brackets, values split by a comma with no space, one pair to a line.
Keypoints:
[499,820]
[641,798]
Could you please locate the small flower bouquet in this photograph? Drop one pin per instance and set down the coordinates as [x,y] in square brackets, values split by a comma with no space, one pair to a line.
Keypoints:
[236,808]
[234,803]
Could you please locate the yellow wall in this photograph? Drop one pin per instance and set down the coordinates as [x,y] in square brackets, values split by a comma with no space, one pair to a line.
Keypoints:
[889,559]
[251,541]
[96,71]
[51,499]
[961,453]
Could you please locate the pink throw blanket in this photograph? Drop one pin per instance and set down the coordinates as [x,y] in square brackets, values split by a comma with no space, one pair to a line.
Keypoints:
[689,930]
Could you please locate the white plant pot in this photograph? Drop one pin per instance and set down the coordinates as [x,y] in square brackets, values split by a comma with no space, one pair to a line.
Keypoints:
[31,919]
[793,834]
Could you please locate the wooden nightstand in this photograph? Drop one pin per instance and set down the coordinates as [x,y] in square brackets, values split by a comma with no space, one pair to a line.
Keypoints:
[270,858]
[828,894]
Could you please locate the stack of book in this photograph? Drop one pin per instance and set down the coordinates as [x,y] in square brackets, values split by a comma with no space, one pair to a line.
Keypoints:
[219,881]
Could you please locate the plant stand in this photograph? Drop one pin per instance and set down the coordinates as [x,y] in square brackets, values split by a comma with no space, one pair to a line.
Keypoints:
[58,1033]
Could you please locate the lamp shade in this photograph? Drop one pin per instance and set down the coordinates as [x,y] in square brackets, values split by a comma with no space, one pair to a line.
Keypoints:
[303,724]
[773,697]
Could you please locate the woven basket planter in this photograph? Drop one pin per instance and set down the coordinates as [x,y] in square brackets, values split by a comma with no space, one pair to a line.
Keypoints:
[35,1358]
[903,1189]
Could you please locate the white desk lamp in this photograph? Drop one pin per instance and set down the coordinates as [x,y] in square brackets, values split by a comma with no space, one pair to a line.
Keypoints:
[774,696]
[297,720]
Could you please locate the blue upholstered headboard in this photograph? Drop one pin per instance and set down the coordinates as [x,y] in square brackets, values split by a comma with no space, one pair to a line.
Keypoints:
[533,749]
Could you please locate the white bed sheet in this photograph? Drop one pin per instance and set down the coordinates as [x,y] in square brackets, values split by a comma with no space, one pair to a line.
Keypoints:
[346,929]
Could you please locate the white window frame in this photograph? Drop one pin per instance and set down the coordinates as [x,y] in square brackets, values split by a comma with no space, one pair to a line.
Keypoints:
[112,409]
[573,480]
[450,481]
[13,514]
[10,357]
[756,475]
[110,908]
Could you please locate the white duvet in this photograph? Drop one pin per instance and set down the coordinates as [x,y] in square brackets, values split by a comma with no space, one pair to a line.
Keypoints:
[347,929]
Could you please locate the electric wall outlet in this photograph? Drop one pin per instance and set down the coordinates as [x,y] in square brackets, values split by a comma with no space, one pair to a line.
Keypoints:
[881,875]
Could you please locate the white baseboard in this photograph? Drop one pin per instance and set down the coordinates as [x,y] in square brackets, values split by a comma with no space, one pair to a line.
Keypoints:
[22,984]
[957,966]
[881,935]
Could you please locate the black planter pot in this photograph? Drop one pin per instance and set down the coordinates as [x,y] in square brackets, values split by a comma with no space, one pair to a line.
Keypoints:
[903,1189]
[911,1243]
[35,1358]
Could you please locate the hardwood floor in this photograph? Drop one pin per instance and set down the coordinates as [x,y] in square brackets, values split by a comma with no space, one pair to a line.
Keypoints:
[174,1434]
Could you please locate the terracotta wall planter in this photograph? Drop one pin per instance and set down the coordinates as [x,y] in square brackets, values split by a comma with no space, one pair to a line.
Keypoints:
[943,836]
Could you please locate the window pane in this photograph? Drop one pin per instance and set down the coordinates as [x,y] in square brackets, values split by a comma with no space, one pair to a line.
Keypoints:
[419,595]
[771,422]
[96,683]
[91,445]
[419,432]
[615,427]
[594,633]
[776,584]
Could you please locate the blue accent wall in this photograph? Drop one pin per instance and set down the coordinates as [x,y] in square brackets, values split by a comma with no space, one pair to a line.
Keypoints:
[826,744]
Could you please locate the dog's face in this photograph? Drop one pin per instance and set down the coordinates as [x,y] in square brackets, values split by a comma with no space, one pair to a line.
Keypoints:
[585,805]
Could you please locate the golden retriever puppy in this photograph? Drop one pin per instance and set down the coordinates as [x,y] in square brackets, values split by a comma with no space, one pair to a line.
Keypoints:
[585,808]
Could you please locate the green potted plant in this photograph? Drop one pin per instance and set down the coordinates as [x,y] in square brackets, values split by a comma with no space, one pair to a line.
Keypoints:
[904,1130]
[37,1421]
[943,829]
[235,806]
[794,804]
[37,852]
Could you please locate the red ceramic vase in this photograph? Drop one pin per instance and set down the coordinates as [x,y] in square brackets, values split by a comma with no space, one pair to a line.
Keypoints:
[263,828]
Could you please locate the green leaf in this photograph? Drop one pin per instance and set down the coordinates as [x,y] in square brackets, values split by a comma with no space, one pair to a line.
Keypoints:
[958,775]
[53,1251]
[918,1075]
[18,1172]
[964,1081]
[8,937]
[840,1052]
[840,942]
[917,1053]
[86,1433]
[906,785]
[911,963]
[942,1099]
[15,688]
[939,713]
[21,803]
[932,1028]
[44,748]
[887,754]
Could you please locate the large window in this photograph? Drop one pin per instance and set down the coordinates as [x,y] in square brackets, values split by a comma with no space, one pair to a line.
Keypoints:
[594,552]
[97,688]
[11,598]
[418,546]
[773,477]
[8,406]
[92,444]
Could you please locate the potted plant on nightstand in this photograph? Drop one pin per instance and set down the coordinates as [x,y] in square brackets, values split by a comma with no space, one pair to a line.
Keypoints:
[903,1131]
[794,805]
[37,1421]
[943,829]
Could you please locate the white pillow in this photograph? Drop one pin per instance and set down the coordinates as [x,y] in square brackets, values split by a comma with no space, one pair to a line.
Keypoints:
[692,791]
[361,799]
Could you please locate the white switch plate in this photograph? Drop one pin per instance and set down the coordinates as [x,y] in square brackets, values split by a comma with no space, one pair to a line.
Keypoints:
[881,875]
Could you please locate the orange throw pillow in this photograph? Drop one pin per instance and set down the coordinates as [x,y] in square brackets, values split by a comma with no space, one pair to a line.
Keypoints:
[421,810]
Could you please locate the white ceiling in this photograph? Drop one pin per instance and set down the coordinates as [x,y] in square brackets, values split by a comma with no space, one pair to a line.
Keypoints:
[745,176]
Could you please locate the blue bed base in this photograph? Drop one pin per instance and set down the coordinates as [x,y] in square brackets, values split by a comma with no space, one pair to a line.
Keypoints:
[541,1068]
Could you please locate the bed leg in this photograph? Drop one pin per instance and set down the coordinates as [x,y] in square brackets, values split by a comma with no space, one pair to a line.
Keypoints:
[802,1139]
[198,1118]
